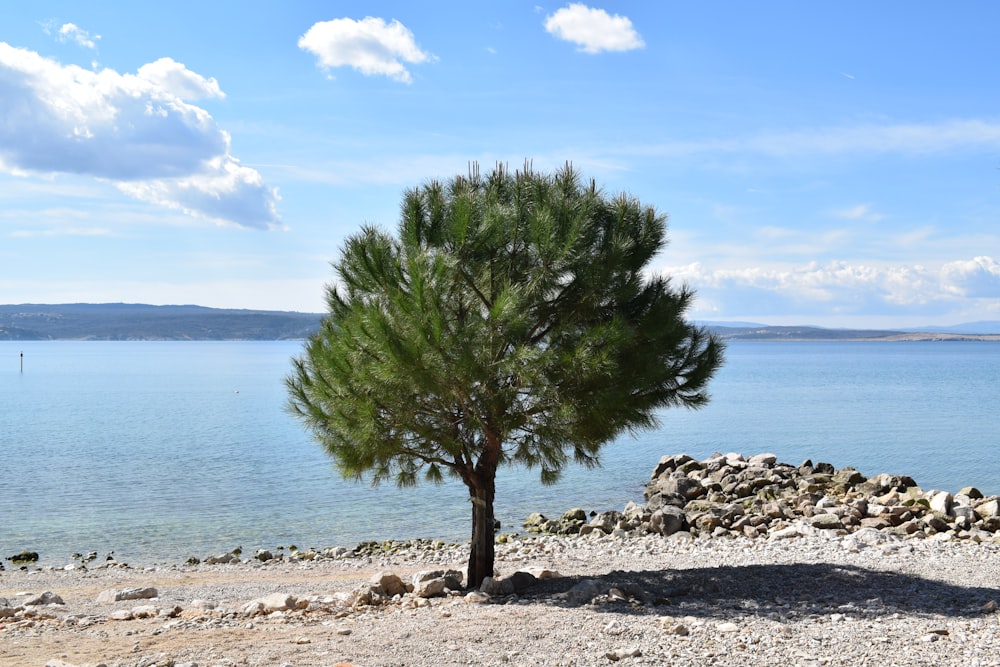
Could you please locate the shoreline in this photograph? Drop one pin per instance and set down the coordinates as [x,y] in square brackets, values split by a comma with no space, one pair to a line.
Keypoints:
[815,599]
[731,561]
[724,494]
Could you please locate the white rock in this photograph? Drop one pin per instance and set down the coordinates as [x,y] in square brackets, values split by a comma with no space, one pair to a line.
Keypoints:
[48,597]
[727,627]
[117,595]
[941,502]
[390,583]
[613,628]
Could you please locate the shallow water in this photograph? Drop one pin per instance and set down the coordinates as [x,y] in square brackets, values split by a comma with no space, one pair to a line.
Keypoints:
[161,450]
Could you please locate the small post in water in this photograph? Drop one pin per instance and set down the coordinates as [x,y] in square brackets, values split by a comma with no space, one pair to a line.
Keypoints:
[22,362]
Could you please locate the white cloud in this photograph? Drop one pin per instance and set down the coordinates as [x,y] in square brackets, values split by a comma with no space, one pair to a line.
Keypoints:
[594,30]
[135,130]
[69,32]
[172,77]
[227,191]
[975,278]
[371,46]
[842,289]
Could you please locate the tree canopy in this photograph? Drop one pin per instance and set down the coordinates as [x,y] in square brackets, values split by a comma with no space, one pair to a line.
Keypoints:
[511,319]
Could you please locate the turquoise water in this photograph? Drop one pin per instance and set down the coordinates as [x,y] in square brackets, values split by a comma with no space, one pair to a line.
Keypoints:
[162,450]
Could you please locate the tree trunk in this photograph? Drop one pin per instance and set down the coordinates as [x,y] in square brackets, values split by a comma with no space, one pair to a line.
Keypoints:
[483,527]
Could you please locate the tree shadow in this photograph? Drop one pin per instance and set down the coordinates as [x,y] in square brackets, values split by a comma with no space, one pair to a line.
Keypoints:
[781,590]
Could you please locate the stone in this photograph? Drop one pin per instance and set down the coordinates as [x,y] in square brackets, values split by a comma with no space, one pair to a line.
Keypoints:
[534,522]
[680,484]
[988,509]
[222,559]
[622,653]
[523,581]
[727,627]
[433,583]
[583,592]
[274,602]
[667,520]
[498,587]
[23,557]
[606,521]
[389,583]
[543,573]
[971,492]
[476,597]
[613,628]
[763,460]
[117,595]
[48,597]
[672,627]
[145,611]
[941,502]
[826,522]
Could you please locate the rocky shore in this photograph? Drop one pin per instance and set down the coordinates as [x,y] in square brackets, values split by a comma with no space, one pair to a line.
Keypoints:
[730,561]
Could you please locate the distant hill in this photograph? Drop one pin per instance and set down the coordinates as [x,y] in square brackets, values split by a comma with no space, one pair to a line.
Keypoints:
[127,321]
[123,321]
[741,331]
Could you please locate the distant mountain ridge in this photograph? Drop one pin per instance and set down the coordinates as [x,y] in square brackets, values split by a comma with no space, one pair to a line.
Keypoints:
[125,321]
[130,321]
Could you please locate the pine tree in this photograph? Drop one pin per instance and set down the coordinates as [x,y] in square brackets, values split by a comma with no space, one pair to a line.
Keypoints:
[510,321]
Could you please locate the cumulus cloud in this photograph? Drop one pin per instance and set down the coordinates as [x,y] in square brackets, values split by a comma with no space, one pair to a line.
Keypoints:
[370,46]
[138,131]
[976,278]
[174,78]
[593,30]
[844,288]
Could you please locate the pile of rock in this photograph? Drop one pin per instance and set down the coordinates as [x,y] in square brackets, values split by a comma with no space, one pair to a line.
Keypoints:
[728,495]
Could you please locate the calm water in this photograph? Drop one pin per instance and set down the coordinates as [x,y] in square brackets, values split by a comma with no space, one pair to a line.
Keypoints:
[162,450]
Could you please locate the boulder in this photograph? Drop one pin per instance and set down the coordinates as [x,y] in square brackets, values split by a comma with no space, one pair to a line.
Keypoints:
[496,587]
[941,502]
[667,520]
[432,583]
[681,485]
[989,508]
[763,460]
[389,583]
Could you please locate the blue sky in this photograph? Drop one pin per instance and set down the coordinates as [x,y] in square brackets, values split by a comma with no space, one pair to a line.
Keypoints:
[824,163]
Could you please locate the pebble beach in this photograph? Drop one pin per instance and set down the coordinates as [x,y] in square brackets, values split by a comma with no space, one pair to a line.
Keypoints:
[880,587]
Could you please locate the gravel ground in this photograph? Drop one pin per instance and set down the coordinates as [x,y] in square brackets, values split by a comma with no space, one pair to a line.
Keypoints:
[819,599]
